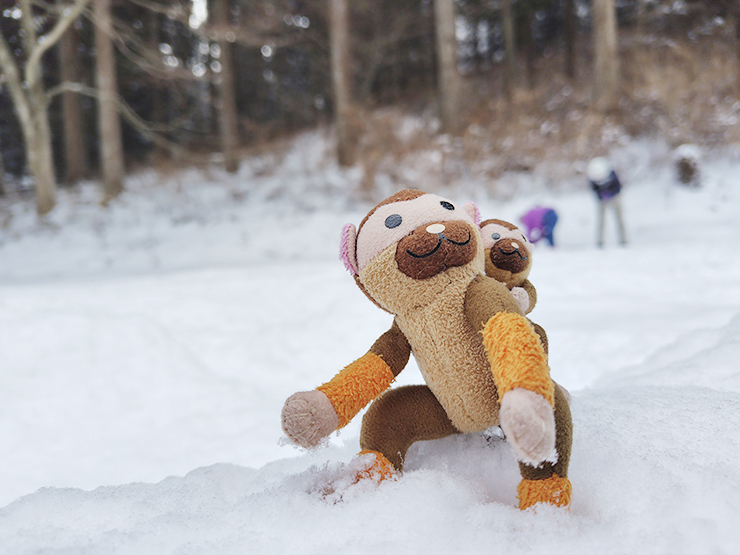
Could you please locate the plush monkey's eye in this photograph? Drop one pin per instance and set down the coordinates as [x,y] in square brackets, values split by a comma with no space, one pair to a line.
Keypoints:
[495,236]
[394,220]
[447,205]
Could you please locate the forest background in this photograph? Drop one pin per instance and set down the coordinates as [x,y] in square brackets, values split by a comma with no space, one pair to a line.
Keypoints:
[96,89]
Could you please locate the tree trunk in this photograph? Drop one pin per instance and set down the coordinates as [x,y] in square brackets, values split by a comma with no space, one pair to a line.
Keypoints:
[341,74]
[109,122]
[227,112]
[75,157]
[527,34]
[36,129]
[29,97]
[569,27]
[448,78]
[606,55]
[158,91]
[509,47]
[735,22]
[640,16]
[41,164]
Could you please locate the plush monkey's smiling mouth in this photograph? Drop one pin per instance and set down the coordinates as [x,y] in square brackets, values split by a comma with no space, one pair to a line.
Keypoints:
[440,238]
[516,251]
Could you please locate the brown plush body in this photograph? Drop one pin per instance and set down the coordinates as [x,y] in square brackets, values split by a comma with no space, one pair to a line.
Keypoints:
[421,258]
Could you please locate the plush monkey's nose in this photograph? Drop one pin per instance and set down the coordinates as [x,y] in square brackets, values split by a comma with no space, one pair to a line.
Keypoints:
[434,229]
[515,245]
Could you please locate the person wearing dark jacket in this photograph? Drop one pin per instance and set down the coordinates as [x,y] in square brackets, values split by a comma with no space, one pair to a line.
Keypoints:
[604,182]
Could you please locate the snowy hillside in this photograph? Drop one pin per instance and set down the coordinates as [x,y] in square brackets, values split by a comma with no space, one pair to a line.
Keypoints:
[147,351]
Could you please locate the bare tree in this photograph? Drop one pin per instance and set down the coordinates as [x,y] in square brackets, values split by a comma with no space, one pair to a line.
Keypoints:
[527,35]
[569,30]
[228,120]
[448,78]
[109,121]
[606,55]
[75,158]
[509,46]
[29,97]
[341,81]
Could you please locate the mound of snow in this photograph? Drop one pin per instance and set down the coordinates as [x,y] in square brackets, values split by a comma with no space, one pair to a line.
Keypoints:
[147,351]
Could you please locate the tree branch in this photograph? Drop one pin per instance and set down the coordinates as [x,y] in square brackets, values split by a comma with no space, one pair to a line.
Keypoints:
[69,14]
[144,128]
[15,84]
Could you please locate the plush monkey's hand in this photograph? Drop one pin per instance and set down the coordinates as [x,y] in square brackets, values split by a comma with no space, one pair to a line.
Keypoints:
[521,297]
[528,421]
[308,417]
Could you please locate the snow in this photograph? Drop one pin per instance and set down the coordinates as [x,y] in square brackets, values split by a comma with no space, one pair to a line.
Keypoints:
[147,349]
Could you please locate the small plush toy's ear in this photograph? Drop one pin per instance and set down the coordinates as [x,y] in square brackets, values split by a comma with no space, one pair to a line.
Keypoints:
[347,253]
[472,209]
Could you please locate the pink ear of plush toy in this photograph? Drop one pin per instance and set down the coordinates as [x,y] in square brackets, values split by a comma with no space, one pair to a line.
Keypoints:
[472,209]
[347,248]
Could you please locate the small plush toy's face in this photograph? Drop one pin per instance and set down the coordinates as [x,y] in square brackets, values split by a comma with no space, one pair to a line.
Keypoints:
[408,243]
[508,252]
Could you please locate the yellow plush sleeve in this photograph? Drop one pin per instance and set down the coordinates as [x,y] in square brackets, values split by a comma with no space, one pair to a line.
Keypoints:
[357,385]
[516,355]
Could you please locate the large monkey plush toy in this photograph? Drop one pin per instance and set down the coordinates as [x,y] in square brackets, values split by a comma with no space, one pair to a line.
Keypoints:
[421,258]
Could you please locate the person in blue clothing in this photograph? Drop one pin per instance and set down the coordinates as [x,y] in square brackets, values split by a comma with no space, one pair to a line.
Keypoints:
[604,182]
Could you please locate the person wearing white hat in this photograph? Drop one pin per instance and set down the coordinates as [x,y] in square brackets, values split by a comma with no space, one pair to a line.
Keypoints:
[604,182]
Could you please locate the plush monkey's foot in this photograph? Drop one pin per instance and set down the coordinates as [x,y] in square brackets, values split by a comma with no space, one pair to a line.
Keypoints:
[553,490]
[380,468]
[528,421]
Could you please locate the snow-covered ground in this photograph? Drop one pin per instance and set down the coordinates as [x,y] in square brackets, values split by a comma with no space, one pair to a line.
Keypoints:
[147,350]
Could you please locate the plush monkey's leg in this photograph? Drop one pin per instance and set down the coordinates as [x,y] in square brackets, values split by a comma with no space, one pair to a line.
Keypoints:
[548,483]
[401,417]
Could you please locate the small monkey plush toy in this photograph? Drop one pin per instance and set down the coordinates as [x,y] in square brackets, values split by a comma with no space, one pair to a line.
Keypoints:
[508,258]
[421,257]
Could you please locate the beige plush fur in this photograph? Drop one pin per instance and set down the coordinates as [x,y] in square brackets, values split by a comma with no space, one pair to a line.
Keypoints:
[449,352]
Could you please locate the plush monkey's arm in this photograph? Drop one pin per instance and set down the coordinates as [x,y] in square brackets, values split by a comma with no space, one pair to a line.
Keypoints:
[520,370]
[531,292]
[310,416]
[367,377]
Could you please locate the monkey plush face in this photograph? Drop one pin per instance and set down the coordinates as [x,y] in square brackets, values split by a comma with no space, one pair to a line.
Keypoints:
[508,253]
[409,245]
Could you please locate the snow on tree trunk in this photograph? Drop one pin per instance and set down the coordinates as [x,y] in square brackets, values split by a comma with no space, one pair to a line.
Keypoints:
[448,79]
[109,122]
[606,55]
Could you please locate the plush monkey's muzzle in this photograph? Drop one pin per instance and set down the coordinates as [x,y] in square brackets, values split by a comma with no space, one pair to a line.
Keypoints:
[433,248]
[510,255]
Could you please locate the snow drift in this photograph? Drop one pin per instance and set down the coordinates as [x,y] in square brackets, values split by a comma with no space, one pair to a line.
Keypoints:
[147,352]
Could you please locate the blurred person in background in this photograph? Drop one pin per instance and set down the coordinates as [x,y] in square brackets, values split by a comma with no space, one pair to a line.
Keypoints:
[686,159]
[604,182]
[540,223]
